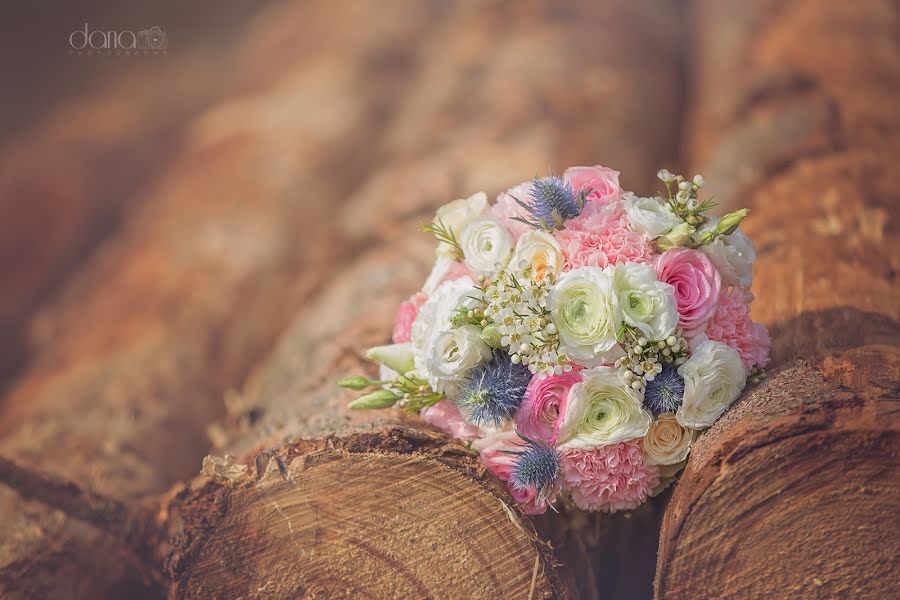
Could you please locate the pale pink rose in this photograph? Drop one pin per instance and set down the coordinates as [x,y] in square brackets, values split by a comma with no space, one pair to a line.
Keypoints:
[600,237]
[445,416]
[601,184]
[528,499]
[494,451]
[697,286]
[538,417]
[733,326]
[609,478]
[506,209]
[406,314]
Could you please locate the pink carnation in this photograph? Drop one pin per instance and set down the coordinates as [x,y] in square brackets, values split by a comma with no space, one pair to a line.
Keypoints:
[601,236]
[609,478]
[600,183]
[495,452]
[445,416]
[538,417]
[697,286]
[507,209]
[406,314]
[732,325]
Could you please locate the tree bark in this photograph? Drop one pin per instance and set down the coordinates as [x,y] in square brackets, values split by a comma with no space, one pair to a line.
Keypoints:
[793,492]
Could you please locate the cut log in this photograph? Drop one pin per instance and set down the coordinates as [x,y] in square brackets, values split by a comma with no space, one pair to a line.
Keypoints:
[794,491]
[231,537]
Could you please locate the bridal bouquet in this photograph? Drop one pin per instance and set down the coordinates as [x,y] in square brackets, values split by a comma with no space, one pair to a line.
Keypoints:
[578,337]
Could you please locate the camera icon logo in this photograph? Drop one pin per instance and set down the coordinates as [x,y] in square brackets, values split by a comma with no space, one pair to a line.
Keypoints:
[152,39]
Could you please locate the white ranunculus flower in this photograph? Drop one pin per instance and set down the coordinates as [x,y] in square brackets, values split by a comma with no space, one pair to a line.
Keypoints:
[714,377]
[456,351]
[432,319]
[667,441]
[650,216]
[602,409]
[732,255]
[539,250]
[585,310]
[485,242]
[456,215]
[645,302]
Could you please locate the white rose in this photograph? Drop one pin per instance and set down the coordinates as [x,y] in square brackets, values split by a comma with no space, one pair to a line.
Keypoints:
[732,255]
[646,302]
[650,216]
[585,310]
[602,409]
[714,377]
[485,242]
[456,351]
[667,441]
[540,251]
[433,318]
[456,215]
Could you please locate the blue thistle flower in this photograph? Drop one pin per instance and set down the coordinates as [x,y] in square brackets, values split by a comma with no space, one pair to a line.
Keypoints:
[495,390]
[552,203]
[537,466]
[665,393]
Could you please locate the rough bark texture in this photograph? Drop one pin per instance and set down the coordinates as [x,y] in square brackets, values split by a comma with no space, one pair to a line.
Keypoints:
[793,493]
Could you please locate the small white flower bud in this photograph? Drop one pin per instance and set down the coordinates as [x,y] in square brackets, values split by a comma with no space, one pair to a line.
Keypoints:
[516,359]
[636,384]
[551,328]
[628,374]
[698,180]
[684,185]
[671,340]
[642,341]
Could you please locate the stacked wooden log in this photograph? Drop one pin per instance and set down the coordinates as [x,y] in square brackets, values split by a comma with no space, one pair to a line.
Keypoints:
[289,209]
[794,492]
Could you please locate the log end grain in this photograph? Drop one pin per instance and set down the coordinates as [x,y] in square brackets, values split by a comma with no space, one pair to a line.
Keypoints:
[304,521]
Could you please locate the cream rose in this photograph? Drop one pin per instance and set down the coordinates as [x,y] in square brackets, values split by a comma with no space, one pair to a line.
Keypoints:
[601,410]
[650,216]
[646,303]
[457,351]
[485,243]
[432,319]
[584,308]
[667,442]
[456,215]
[714,377]
[732,255]
[540,251]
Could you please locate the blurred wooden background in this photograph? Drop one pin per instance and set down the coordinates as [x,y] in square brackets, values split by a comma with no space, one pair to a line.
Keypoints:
[178,231]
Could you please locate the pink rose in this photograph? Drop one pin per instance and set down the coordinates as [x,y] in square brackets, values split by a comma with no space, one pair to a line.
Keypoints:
[494,450]
[497,454]
[545,401]
[528,499]
[697,286]
[601,184]
[733,326]
[445,416]
[406,314]
[507,209]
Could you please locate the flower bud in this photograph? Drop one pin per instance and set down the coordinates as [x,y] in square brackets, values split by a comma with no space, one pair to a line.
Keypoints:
[357,382]
[677,236]
[398,357]
[491,336]
[730,222]
[377,399]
